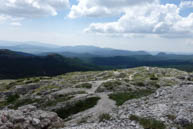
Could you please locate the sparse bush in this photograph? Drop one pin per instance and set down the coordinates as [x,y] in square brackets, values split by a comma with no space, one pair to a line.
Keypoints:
[148,123]
[171,117]
[121,97]
[104,117]
[154,84]
[189,126]
[45,88]
[111,84]
[81,105]
[140,83]
[60,98]
[84,85]
[153,77]
[12,98]
[23,102]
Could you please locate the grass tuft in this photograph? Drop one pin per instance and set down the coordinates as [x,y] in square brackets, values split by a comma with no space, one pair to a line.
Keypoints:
[122,97]
[148,123]
[84,85]
[104,117]
[81,105]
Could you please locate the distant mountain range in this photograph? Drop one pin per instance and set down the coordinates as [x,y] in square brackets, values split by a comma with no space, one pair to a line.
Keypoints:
[38,59]
[19,64]
[69,51]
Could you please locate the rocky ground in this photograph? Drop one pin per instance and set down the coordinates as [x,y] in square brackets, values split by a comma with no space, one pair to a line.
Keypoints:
[139,98]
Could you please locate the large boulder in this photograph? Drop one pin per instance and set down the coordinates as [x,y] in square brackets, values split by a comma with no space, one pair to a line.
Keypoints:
[28,117]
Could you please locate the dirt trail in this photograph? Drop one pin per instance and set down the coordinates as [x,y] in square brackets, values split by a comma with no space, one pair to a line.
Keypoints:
[104,105]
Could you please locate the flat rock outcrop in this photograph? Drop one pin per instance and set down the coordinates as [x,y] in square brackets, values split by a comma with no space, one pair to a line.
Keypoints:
[173,106]
[138,98]
[28,117]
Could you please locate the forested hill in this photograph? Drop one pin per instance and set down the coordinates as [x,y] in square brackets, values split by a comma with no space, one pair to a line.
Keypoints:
[19,65]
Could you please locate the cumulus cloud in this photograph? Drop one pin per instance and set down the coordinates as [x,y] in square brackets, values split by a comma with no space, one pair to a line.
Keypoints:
[150,18]
[17,24]
[2,18]
[98,8]
[186,4]
[31,8]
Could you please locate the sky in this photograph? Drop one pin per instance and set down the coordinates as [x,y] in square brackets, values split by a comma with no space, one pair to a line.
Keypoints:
[150,25]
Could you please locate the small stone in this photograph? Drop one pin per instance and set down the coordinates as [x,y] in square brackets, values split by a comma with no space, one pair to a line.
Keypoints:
[35,121]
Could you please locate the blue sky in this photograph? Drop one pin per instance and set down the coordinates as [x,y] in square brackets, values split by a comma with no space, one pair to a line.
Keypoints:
[150,25]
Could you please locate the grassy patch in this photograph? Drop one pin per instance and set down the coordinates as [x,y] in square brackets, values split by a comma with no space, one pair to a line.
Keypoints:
[9,100]
[148,123]
[84,85]
[12,98]
[45,88]
[171,117]
[189,126]
[3,104]
[25,81]
[111,84]
[58,99]
[14,102]
[104,117]
[23,102]
[168,82]
[79,106]
[153,77]
[154,83]
[122,97]
[139,83]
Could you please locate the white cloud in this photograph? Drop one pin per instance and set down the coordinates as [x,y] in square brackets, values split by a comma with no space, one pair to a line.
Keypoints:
[17,24]
[98,8]
[186,4]
[31,8]
[2,18]
[6,19]
[148,19]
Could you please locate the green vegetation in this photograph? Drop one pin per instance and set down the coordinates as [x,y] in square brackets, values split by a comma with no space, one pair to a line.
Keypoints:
[3,104]
[60,98]
[153,77]
[148,123]
[45,88]
[189,126]
[77,107]
[104,117]
[122,97]
[111,84]
[12,98]
[15,102]
[171,117]
[84,85]
[154,83]
[139,83]
[21,66]
[25,81]
[17,65]
[23,102]
[169,82]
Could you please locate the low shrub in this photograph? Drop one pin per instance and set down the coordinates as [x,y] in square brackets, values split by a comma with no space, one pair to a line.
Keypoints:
[84,85]
[122,97]
[81,105]
[148,123]
[104,117]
